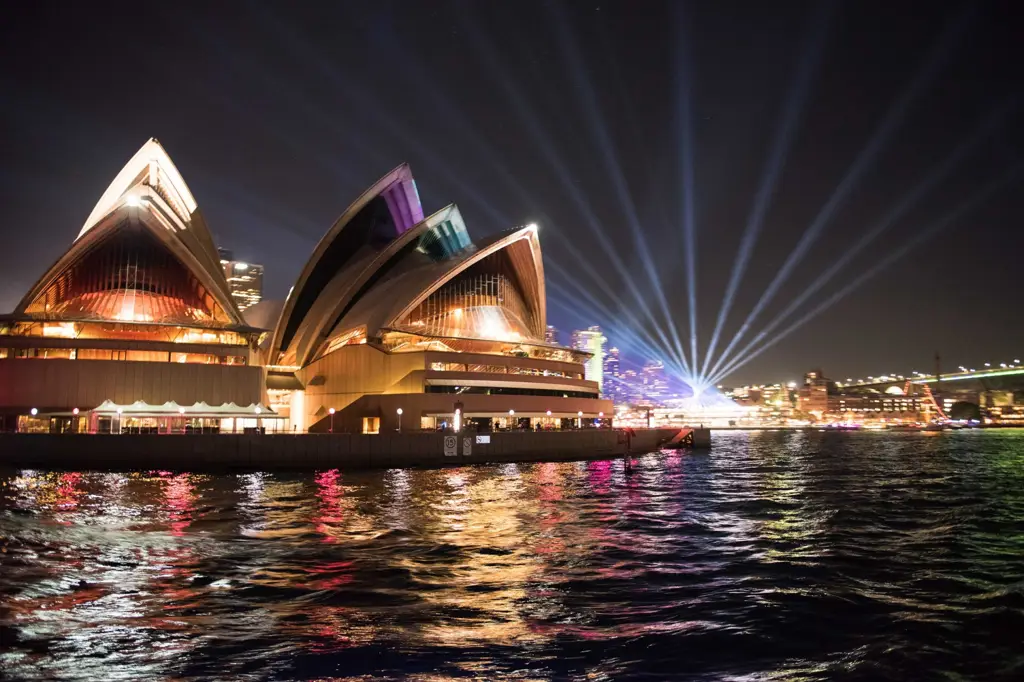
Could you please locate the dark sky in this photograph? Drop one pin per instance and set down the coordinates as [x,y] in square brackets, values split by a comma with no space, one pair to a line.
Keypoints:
[568,114]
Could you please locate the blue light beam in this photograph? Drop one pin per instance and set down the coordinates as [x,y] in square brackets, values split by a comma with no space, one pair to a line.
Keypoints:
[989,125]
[592,113]
[976,200]
[684,107]
[892,121]
[787,127]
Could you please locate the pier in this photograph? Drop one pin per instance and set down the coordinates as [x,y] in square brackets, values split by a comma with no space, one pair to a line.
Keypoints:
[202,452]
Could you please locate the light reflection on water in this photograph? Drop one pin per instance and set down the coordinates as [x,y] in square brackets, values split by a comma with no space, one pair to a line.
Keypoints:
[779,555]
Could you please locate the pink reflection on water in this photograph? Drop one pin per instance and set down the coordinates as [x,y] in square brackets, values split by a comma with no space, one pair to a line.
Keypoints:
[600,475]
[329,492]
[179,497]
[67,493]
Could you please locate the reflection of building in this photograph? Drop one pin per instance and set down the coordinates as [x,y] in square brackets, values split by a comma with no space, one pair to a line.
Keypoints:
[245,280]
[137,309]
[591,340]
[395,310]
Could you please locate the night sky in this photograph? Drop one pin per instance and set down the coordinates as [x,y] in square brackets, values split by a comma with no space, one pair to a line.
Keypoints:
[572,115]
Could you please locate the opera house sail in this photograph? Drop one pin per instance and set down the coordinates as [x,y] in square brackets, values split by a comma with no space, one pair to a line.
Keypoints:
[136,311]
[397,313]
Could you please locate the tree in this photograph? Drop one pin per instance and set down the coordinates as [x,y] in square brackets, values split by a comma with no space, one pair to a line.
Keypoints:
[962,409]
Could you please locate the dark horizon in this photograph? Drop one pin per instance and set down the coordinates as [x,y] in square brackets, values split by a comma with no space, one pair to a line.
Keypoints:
[279,119]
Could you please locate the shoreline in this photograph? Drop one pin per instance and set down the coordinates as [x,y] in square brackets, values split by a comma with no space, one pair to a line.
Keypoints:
[219,452]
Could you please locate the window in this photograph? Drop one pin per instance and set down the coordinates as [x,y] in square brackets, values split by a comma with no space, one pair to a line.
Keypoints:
[3,353]
[147,355]
[371,425]
[490,369]
[233,360]
[94,354]
[195,358]
[448,367]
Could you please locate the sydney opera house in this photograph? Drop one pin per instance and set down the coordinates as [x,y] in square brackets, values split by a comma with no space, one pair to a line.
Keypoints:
[397,321]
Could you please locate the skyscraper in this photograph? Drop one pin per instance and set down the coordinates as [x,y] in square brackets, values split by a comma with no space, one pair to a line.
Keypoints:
[244,279]
[551,335]
[613,382]
[655,382]
[592,341]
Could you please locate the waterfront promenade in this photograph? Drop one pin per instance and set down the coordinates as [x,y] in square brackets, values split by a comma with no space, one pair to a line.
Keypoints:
[200,452]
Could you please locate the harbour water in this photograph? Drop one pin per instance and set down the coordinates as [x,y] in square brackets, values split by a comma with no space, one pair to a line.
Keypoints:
[783,555]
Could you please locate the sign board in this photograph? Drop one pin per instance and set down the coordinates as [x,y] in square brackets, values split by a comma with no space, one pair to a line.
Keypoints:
[450,445]
[467,446]
[483,439]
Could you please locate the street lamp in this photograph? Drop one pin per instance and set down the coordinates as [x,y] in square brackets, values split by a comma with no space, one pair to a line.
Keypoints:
[579,419]
[34,411]
[511,414]
[119,423]
[331,411]
[181,414]
[399,411]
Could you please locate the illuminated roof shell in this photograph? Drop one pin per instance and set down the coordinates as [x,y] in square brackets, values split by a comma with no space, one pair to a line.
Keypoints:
[387,304]
[306,300]
[150,192]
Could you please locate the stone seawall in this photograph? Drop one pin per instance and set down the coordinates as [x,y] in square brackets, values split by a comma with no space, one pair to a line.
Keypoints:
[321,451]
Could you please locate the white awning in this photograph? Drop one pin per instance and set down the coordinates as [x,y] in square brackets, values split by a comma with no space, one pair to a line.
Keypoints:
[173,409]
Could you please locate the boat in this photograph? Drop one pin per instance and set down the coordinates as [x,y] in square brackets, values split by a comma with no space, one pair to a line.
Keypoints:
[905,427]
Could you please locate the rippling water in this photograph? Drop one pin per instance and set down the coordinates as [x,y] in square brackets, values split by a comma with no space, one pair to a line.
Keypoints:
[796,556]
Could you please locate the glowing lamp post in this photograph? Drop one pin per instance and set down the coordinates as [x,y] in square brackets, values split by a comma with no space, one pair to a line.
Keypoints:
[457,421]
[331,411]
[181,415]
[579,419]
[399,413]
[119,423]
[511,415]
[600,416]
[34,411]
[258,411]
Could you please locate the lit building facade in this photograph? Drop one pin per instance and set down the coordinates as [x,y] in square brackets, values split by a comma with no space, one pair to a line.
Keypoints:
[136,311]
[612,376]
[551,336]
[399,320]
[591,340]
[245,280]
[656,390]
[813,396]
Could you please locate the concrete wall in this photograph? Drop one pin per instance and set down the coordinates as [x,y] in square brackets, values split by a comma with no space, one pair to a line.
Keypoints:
[352,376]
[308,451]
[416,405]
[61,385]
